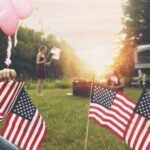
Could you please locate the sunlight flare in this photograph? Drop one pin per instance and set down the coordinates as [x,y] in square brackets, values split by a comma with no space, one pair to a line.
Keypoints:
[99,59]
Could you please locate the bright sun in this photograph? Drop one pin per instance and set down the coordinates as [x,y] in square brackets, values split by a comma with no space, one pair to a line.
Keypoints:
[100,56]
[89,26]
[99,59]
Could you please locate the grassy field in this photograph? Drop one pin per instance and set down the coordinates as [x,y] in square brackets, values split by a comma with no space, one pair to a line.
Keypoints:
[66,118]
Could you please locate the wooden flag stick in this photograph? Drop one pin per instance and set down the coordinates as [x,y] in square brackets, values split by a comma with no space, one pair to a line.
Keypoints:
[87,133]
[87,126]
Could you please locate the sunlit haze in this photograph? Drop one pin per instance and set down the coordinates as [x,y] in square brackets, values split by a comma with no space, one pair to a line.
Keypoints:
[89,26]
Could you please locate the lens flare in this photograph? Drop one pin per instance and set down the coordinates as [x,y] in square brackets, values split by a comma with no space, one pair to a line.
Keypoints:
[99,60]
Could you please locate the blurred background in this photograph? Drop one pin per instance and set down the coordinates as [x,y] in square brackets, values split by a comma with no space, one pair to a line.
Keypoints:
[95,37]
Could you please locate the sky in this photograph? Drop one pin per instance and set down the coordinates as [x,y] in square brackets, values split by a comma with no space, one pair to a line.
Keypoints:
[89,26]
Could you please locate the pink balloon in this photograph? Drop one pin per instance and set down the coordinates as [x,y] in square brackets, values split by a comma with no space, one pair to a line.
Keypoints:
[23,8]
[5,4]
[9,21]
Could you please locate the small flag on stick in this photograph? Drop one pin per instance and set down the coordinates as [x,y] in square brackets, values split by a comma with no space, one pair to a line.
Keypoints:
[9,91]
[138,130]
[111,109]
[24,126]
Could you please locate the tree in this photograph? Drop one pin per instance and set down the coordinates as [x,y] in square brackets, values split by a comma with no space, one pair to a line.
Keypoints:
[24,55]
[136,31]
[3,47]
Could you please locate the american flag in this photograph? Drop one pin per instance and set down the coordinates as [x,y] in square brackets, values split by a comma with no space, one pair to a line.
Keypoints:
[9,90]
[138,130]
[111,109]
[24,126]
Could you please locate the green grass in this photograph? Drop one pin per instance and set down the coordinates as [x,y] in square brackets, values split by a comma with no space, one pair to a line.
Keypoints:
[50,84]
[66,118]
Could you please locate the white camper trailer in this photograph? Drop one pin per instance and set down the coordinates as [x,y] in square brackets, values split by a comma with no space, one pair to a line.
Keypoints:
[142,65]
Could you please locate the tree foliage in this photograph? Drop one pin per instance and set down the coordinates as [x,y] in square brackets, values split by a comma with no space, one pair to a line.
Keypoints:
[136,31]
[24,55]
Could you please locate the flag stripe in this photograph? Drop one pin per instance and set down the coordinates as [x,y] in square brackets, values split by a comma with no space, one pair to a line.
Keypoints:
[138,133]
[131,129]
[11,101]
[143,136]
[126,99]
[106,119]
[123,106]
[124,117]
[24,133]
[146,145]
[15,129]
[22,127]
[37,135]
[117,111]
[112,128]
[10,128]
[138,138]
[5,93]
[17,91]
[116,118]
[3,86]
[34,133]
[6,129]
[135,131]
[6,99]
[40,138]
[29,131]
[120,111]
[105,114]
[9,93]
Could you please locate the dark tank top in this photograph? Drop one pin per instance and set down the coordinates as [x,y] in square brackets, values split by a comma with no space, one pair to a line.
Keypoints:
[40,69]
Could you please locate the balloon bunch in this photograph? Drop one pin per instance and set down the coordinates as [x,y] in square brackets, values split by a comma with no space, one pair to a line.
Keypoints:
[11,12]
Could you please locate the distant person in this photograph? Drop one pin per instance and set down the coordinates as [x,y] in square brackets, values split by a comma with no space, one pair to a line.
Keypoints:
[40,68]
[117,81]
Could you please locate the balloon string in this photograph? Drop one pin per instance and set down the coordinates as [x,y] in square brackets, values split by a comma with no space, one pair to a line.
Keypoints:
[8,60]
[16,39]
